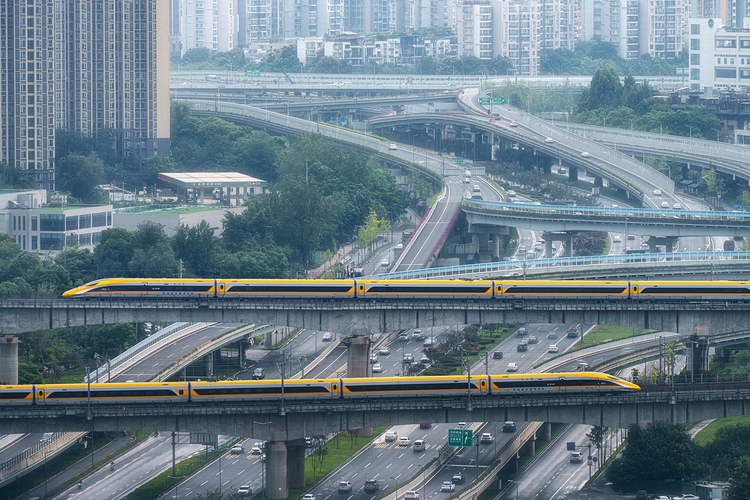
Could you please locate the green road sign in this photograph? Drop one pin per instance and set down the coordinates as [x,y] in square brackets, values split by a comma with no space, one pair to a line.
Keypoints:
[458,159]
[460,437]
[498,100]
[252,73]
[256,73]
[484,101]
[222,86]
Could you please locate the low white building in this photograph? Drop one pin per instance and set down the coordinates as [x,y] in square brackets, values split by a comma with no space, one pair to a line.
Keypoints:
[51,227]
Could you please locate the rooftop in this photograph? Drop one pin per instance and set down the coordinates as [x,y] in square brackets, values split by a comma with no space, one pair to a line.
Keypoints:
[210,179]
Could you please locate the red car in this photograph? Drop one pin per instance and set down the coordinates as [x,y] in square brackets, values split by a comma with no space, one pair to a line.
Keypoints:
[426,425]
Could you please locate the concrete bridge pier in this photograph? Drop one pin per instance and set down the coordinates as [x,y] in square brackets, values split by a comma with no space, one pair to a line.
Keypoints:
[295,463]
[545,431]
[8,359]
[496,247]
[529,448]
[573,174]
[358,364]
[276,470]
[569,245]
[598,181]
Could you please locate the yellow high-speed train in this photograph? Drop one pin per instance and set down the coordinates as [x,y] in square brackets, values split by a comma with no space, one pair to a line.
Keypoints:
[503,385]
[413,289]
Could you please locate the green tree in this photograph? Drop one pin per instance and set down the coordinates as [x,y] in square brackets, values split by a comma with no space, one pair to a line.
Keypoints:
[605,91]
[657,454]
[739,486]
[113,253]
[332,65]
[15,178]
[80,264]
[80,175]
[198,249]
[283,59]
[726,450]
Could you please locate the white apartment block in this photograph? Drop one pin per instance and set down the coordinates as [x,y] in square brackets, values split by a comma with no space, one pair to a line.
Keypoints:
[719,57]
[88,67]
[522,31]
[207,23]
[637,27]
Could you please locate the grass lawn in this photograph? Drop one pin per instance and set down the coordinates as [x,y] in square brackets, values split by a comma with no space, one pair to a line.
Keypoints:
[601,334]
[709,433]
[334,458]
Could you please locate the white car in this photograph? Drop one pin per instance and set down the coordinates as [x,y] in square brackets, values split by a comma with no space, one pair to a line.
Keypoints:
[585,154]
[390,436]
[256,449]
[657,192]
[377,368]
[553,348]
[411,495]
[308,496]
[447,487]
[384,351]
[513,124]
[409,357]
[404,441]
[392,147]
[549,140]
[486,438]
[616,238]
[245,491]
[512,367]
[327,337]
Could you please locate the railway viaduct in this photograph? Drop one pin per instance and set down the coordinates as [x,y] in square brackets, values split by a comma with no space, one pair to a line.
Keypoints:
[365,317]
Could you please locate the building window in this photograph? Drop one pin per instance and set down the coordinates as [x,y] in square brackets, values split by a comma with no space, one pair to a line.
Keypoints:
[34,243]
[695,29]
[99,219]
[96,238]
[695,44]
[51,241]
[51,222]
[695,59]
[695,73]
[84,239]
[71,222]
[34,225]
[726,73]
[84,221]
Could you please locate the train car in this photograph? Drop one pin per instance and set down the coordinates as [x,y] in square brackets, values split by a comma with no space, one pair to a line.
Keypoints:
[264,390]
[424,289]
[569,382]
[564,290]
[117,393]
[285,289]
[394,387]
[16,394]
[690,290]
[146,287]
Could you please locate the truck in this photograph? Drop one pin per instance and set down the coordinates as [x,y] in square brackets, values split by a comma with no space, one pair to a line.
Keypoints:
[573,331]
[729,245]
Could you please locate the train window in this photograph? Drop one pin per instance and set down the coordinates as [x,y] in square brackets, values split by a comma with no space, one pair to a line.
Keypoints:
[41,393]
[334,387]
[484,383]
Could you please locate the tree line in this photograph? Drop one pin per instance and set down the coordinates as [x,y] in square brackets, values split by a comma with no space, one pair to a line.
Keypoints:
[660,456]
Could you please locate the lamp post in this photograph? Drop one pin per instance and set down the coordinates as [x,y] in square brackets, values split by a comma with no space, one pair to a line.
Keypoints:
[691,131]
[262,463]
[514,481]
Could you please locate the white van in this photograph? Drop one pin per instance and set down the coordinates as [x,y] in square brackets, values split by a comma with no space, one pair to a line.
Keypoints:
[476,188]
[418,445]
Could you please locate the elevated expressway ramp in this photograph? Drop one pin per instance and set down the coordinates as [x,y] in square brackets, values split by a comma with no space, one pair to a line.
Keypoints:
[727,158]
[621,171]
[662,223]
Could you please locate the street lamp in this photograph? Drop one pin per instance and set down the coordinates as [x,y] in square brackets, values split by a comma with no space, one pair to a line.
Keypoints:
[691,131]
[514,481]
[262,463]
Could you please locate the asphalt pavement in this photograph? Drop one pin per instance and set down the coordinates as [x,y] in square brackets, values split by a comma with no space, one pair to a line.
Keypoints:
[75,469]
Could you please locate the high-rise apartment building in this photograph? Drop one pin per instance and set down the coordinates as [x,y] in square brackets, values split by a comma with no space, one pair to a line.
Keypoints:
[97,67]
[32,100]
[207,23]
[637,27]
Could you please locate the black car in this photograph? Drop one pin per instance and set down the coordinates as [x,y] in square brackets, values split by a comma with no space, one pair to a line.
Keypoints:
[458,478]
[509,426]
[259,374]
[497,355]
[371,485]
